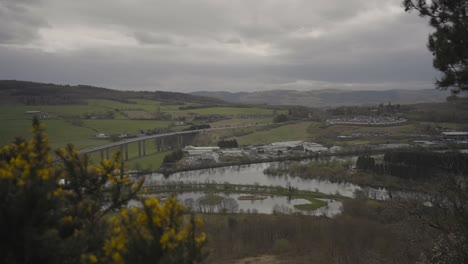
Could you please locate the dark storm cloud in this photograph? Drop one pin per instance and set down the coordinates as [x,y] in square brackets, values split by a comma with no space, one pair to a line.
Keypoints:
[216,45]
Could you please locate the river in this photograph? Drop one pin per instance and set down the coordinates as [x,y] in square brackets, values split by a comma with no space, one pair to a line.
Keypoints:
[254,174]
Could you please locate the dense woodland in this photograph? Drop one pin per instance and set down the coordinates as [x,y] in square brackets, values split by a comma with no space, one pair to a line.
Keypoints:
[416,164]
[228,143]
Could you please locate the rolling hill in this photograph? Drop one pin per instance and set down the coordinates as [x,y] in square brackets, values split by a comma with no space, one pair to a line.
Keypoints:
[33,93]
[330,97]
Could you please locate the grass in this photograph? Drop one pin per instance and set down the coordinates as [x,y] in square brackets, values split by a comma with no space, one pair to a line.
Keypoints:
[150,146]
[328,134]
[209,138]
[241,122]
[113,126]
[141,104]
[317,132]
[211,199]
[296,131]
[14,128]
[314,204]
[16,123]
[374,203]
[235,111]
[310,206]
[251,190]
[147,163]
[60,133]
[254,193]
[251,197]
[145,109]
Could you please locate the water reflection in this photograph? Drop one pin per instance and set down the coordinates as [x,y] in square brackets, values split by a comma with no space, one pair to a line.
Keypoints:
[253,174]
[267,205]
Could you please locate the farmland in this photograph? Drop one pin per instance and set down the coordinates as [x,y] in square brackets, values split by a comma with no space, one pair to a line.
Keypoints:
[307,200]
[79,124]
[117,116]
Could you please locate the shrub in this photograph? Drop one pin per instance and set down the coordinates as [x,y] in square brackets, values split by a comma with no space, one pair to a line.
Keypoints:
[60,212]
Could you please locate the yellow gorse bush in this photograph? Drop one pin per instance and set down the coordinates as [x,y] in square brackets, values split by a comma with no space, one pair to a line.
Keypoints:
[163,224]
[24,162]
[56,211]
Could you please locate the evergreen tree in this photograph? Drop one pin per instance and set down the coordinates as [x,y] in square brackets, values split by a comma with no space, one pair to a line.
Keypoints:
[449,42]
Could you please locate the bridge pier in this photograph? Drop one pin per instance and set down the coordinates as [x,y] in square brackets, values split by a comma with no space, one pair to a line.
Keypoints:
[160,144]
[162,141]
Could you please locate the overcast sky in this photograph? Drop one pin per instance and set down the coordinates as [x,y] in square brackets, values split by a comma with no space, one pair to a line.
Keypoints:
[229,45]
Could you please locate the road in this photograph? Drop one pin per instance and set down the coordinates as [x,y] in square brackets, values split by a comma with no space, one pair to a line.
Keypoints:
[132,140]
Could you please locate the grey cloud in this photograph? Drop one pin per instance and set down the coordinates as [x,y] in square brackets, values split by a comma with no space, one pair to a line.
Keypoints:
[220,45]
[232,40]
[18,23]
[150,38]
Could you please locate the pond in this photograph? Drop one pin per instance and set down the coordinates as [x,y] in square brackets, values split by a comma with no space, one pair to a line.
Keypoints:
[234,203]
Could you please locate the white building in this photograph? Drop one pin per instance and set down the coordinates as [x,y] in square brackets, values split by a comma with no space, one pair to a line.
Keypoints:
[196,151]
[101,135]
[455,135]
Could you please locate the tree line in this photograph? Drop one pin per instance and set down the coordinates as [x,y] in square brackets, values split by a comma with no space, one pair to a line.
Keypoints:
[228,143]
[416,164]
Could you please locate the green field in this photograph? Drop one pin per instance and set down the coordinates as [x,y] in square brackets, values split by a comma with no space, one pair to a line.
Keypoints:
[60,133]
[113,126]
[234,111]
[241,122]
[17,111]
[151,161]
[67,124]
[296,131]
[322,133]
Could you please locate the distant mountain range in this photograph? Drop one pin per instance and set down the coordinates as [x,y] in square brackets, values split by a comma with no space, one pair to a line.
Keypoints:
[46,93]
[330,97]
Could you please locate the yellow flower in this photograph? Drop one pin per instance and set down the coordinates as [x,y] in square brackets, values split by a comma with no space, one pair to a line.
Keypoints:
[58,192]
[43,174]
[21,183]
[201,238]
[68,219]
[117,258]
[93,258]
[199,222]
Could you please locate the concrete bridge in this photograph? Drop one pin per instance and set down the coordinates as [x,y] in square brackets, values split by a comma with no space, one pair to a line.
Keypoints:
[162,140]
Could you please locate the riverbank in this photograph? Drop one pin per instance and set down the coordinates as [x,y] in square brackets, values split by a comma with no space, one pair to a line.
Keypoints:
[341,171]
[174,168]
[235,198]
[253,190]
[166,170]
